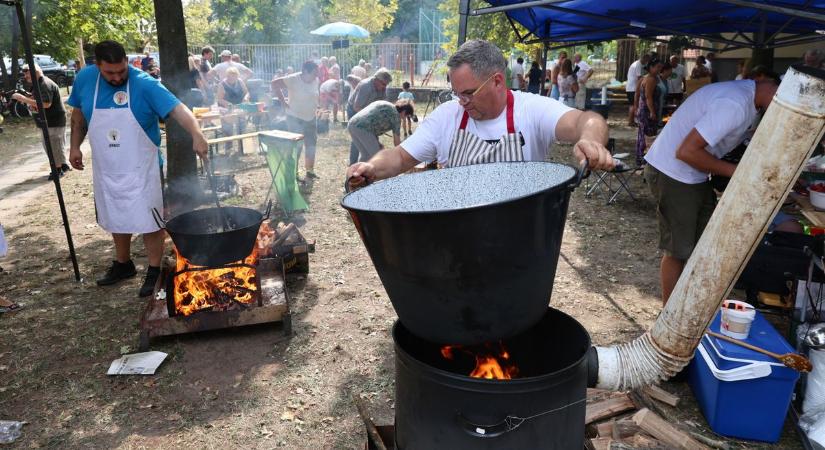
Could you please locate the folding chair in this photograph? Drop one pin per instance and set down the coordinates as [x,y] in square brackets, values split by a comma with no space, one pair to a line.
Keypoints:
[281,155]
[617,180]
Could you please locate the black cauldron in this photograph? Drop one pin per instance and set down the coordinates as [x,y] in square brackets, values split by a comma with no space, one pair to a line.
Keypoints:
[202,238]
[544,408]
[468,254]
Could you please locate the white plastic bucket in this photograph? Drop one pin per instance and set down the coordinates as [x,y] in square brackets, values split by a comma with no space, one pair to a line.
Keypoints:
[736,319]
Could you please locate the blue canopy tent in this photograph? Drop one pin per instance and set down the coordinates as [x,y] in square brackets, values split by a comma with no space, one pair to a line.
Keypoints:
[756,23]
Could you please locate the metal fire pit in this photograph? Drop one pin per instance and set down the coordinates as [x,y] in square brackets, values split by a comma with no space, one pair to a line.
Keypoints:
[274,308]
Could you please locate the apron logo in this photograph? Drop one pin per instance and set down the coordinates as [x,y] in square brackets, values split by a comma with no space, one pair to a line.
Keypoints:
[121,98]
[113,136]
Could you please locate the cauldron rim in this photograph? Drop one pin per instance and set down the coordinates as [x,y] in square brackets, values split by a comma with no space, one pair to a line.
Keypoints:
[508,385]
[565,184]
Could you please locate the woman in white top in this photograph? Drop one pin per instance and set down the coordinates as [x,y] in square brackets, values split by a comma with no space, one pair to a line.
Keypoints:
[568,86]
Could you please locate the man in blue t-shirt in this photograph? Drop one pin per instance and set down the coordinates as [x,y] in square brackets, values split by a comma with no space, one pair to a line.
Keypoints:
[118,107]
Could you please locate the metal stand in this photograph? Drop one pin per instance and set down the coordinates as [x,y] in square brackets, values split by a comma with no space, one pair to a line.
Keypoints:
[41,120]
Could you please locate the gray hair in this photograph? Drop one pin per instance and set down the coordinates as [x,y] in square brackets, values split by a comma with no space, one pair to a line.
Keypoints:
[815,53]
[483,57]
[383,75]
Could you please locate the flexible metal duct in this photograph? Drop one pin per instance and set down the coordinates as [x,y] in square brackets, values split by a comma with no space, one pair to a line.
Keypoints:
[790,129]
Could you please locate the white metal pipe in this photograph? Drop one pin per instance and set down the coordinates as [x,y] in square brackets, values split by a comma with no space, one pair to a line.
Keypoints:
[790,129]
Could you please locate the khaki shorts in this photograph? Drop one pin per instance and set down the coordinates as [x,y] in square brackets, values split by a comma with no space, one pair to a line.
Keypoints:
[683,211]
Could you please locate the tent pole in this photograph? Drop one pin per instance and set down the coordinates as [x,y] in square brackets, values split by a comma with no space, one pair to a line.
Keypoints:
[504,8]
[41,113]
[778,9]
[546,47]
[463,16]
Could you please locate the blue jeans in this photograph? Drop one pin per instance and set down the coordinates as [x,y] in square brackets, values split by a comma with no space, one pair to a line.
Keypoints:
[554,93]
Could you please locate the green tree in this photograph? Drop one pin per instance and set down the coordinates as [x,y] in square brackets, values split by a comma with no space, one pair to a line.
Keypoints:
[491,27]
[58,24]
[253,21]
[372,15]
[197,15]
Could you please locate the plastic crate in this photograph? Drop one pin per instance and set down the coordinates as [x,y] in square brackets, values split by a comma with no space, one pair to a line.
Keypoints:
[742,393]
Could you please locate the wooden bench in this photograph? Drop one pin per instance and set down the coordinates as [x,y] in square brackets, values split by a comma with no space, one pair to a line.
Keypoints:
[285,135]
[214,143]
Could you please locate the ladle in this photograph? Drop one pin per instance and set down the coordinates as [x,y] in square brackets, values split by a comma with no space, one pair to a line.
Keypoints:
[793,360]
[210,176]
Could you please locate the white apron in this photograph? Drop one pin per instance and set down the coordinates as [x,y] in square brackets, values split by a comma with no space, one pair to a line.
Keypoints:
[468,148]
[126,172]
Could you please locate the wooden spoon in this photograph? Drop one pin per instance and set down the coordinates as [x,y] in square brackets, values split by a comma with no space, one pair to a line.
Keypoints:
[793,360]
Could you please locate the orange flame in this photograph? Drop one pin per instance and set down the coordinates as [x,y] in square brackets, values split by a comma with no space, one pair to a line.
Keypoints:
[492,360]
[215,289]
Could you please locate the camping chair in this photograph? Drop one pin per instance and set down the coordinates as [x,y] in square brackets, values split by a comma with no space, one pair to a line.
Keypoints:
[617,180]
[281,151]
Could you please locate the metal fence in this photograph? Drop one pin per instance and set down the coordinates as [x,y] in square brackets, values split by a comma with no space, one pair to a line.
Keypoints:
[407,61]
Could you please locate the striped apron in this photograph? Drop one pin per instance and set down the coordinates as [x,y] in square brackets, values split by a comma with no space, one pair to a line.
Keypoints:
[468,148]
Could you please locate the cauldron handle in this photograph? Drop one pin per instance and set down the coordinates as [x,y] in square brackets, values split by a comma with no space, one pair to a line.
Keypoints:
[584,172]
[488,431]
[509,423]
[158,218]
[347,188]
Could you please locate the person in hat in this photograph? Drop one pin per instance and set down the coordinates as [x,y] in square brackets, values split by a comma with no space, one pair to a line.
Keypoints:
[218,73]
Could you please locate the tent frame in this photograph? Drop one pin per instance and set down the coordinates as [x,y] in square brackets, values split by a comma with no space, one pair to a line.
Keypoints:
[662,27]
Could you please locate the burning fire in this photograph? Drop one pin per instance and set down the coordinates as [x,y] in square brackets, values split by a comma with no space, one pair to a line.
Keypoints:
[215,289]
[492,360]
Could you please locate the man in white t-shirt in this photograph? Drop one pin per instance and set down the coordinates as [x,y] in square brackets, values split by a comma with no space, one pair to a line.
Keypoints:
[634,72]
[676,82]
[218,73]
[710,58]
[517,74]
[708,125]
[583,72]
[489,123]
[302,89]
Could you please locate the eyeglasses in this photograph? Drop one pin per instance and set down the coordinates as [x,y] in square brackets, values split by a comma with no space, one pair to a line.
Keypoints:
[467,98]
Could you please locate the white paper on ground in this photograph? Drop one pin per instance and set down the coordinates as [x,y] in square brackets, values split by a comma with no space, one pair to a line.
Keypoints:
[137,364]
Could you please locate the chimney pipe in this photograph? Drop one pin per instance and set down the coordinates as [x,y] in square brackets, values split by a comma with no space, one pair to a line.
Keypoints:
[790,130]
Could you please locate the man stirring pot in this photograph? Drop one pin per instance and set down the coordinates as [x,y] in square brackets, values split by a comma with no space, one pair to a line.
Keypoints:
[489,123]
[118,107]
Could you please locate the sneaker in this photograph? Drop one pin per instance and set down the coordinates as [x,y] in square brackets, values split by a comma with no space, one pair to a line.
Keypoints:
[311,174]
[65,168]
[117,271]
[152,275]
[51,175]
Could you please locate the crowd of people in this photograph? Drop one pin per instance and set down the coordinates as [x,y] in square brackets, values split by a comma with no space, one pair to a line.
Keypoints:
[496,115]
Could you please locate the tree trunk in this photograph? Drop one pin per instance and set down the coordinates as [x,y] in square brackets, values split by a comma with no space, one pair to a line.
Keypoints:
[183,187]
[762,56]
[625,56]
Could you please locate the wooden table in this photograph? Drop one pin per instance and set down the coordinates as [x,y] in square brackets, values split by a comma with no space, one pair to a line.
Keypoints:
[815,216]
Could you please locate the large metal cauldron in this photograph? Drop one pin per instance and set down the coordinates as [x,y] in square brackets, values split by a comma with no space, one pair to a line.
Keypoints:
[200,236]
[467,255]
[436,408]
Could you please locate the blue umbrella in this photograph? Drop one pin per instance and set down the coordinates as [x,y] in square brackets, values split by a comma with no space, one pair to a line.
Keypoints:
[341,29]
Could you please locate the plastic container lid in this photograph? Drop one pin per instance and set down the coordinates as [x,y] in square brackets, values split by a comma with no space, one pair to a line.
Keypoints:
[762,334]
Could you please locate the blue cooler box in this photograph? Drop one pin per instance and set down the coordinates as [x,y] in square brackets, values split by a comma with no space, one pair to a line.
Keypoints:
[743,393]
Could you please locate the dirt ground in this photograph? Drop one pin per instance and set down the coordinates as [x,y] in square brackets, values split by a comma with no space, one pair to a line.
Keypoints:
[251,387]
